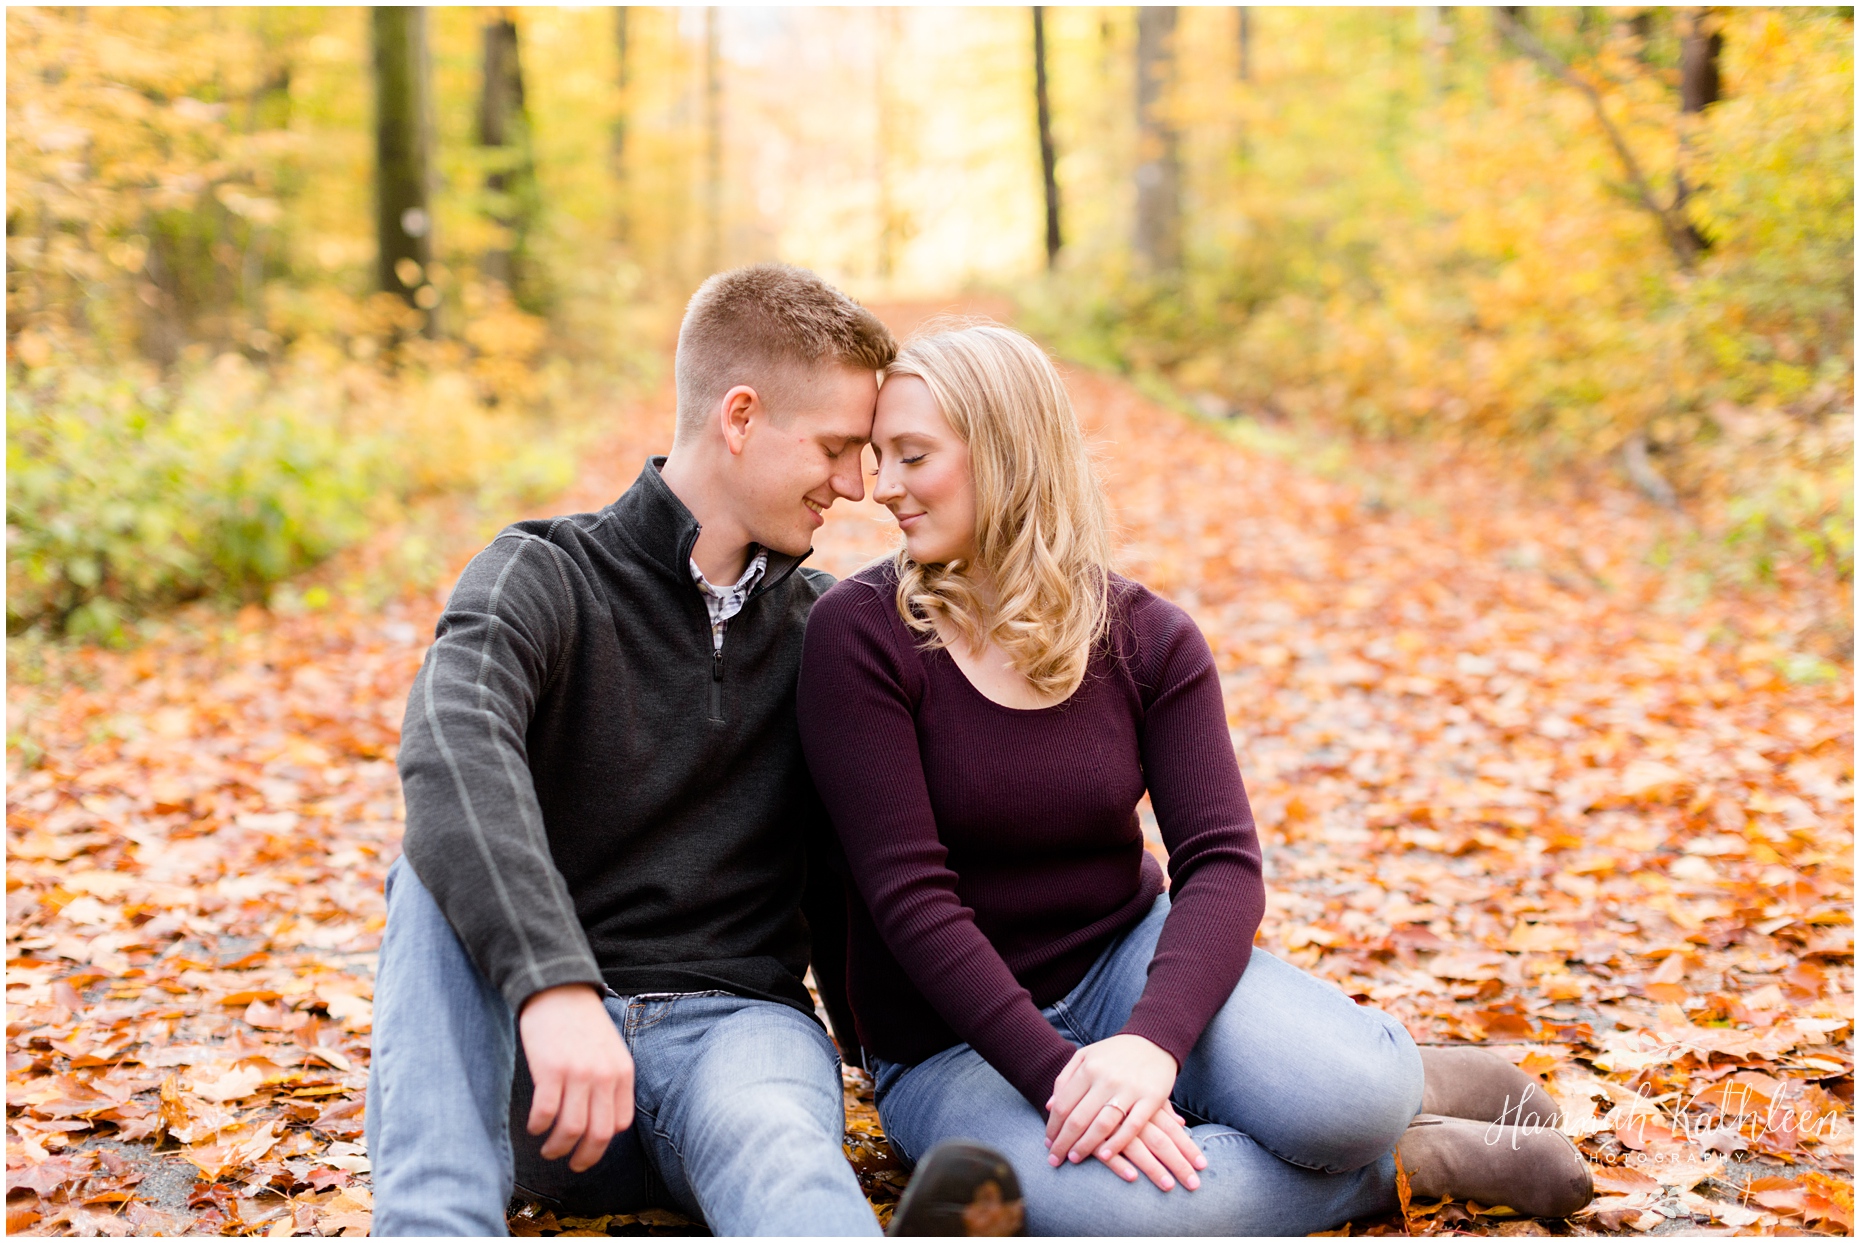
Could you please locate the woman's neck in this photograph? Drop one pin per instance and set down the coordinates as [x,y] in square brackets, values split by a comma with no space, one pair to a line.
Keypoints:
[985,663]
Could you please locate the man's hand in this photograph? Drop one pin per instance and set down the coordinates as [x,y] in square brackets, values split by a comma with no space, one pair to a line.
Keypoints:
[1112,1102]
[582,1071]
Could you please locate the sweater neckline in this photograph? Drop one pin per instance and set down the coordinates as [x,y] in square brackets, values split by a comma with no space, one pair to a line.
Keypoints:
[666,531]
[976,691]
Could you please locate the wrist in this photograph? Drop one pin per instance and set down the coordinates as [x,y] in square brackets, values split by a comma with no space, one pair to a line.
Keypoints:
[1148,1045]
[558,994]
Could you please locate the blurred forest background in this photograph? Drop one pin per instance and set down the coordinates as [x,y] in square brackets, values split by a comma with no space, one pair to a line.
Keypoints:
[276,276]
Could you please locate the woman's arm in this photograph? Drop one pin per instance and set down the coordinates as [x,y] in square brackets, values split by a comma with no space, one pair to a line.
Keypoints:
[1216,893]
[860,735]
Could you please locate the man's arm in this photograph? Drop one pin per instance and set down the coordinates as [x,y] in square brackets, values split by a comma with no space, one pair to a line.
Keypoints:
[476,840]
[582,1072]
[475,833]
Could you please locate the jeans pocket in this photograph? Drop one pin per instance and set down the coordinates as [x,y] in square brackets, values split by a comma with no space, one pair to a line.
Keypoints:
[643,1013]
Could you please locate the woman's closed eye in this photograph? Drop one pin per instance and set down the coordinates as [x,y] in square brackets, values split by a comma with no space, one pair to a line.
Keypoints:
[903,461]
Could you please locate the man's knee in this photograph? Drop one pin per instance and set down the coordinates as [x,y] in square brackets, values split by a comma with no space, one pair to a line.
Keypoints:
[439,1077]
[781,1114]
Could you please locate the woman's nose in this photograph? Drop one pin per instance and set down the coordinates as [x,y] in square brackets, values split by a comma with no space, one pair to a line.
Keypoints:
[885,487]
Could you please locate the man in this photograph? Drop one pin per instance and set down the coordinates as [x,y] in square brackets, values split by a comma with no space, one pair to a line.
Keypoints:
[607,820]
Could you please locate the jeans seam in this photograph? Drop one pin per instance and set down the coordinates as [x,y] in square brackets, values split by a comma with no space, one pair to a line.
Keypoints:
[650,1118]
[640,1018]
[1063,1014]
[1305,1165]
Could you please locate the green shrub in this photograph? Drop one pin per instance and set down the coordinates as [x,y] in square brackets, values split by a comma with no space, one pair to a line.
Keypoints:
[126,494]
[122,496]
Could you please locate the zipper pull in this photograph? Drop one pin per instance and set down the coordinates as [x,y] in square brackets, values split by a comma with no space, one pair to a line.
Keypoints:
[716,666]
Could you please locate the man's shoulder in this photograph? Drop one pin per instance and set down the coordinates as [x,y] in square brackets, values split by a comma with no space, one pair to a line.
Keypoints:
[564,530]
[816,582]
[564,533]
[536,554]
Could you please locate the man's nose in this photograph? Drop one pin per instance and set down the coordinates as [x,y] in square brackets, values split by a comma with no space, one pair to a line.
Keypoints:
[849,477]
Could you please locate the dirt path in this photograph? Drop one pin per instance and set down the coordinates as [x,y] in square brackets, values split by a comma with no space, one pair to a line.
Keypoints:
[1515,787]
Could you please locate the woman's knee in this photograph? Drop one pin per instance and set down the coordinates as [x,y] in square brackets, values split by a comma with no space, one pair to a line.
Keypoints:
[1374,1093]
[1322,1082]
[1395,1097]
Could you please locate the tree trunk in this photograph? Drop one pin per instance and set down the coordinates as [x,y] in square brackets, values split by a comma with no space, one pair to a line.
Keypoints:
[1640,34]
[1246,42]
[503,127]
[891,224]
[1436,39]
[1159,162]
[621,81]
[1048,161]
[1699,47]
[713,142]
[403,160]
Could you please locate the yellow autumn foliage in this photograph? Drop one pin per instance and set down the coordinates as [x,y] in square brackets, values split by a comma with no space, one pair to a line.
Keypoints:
[1411,232]
[1394,221]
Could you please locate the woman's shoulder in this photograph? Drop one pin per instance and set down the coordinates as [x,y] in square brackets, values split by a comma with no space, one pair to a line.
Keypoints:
[1147,630]
[877,582]
[854,634]
[861,602]
[1136,606]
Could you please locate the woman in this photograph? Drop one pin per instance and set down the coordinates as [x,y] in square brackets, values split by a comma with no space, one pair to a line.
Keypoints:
[982,715]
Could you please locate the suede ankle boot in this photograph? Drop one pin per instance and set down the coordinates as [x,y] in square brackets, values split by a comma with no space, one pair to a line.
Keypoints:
[1481,1085]
[960,1188]
[1536,1172]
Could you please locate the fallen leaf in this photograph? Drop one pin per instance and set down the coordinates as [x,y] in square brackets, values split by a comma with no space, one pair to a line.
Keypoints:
[235,1083]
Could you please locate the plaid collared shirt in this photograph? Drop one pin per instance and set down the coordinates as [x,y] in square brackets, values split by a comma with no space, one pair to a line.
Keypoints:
[726,602]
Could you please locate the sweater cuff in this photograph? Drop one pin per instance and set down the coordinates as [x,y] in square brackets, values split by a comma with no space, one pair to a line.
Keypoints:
[524,984]
[1155,1028]
[1036,1079]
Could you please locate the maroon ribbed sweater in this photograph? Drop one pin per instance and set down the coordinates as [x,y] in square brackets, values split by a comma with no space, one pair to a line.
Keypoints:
[998,849]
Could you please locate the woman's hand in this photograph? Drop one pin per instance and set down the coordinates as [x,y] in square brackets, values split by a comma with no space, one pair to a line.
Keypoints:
[1112,1101]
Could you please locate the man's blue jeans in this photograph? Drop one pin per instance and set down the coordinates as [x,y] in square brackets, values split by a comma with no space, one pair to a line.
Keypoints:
[1302,1095]
[739,1113]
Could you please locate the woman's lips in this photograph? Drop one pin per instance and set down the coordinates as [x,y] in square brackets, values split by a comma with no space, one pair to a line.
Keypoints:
[905,520]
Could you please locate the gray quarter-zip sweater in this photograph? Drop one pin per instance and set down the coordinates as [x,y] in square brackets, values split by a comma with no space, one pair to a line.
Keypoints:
[593,793]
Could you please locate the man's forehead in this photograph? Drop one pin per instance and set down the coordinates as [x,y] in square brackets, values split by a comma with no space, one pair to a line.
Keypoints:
[837,419]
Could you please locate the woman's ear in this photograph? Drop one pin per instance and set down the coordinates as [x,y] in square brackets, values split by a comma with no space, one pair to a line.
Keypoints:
[740,408]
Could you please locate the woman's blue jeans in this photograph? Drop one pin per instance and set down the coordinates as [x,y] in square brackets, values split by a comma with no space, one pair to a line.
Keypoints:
[1302,1095]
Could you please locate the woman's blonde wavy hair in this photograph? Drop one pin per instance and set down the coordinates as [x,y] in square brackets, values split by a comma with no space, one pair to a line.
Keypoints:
[1042,536]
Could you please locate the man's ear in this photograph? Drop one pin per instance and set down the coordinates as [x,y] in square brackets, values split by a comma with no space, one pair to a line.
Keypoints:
[740,408]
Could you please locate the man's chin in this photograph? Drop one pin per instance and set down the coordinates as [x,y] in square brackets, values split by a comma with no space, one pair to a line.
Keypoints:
[789,543]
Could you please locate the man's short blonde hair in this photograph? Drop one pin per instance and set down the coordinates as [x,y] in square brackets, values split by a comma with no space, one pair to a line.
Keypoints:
[767,326]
